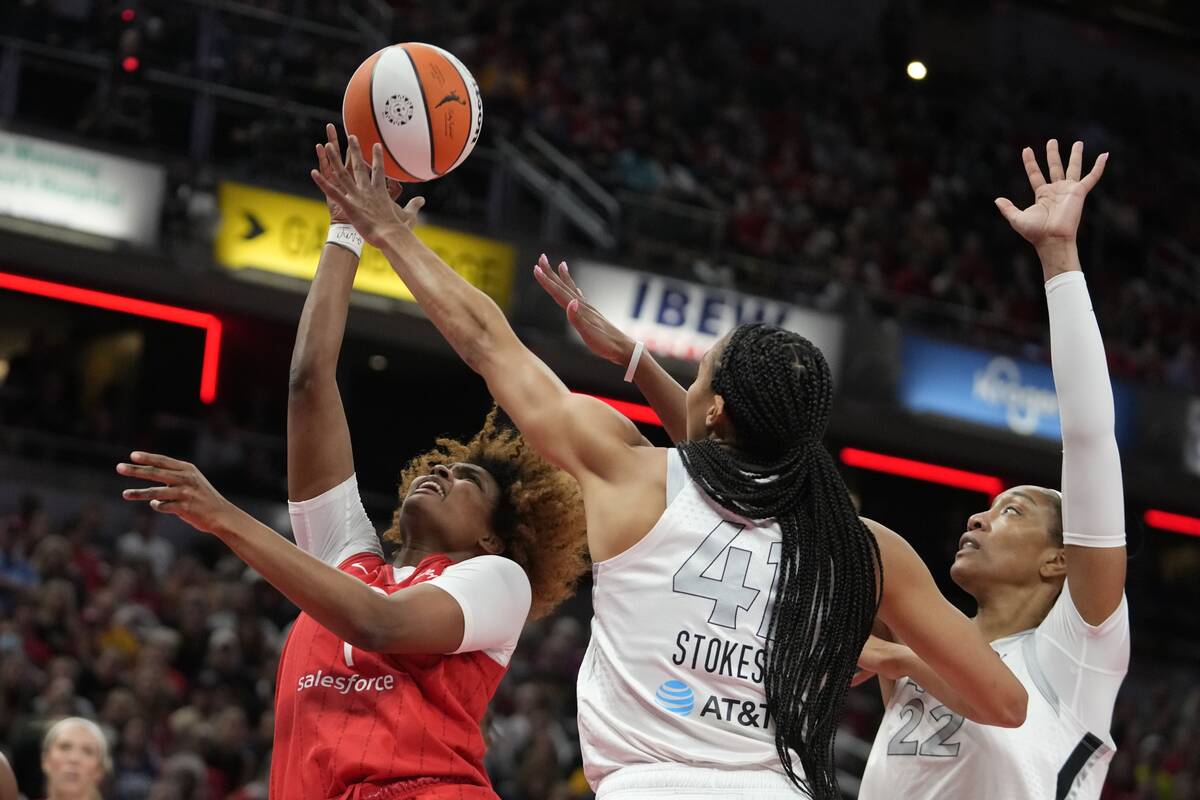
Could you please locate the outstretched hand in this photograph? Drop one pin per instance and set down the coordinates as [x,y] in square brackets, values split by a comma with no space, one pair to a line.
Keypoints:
[185,492]
[330,152]
[1058,204]
[361,191]
[601,336]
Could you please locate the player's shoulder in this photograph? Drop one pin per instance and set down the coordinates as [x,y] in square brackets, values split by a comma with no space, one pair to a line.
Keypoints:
[1064,613]
[493,566]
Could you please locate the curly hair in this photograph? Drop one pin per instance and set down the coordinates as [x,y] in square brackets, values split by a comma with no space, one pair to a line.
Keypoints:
[540,514]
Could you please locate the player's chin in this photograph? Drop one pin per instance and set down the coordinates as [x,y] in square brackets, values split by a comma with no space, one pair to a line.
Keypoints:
[964,571]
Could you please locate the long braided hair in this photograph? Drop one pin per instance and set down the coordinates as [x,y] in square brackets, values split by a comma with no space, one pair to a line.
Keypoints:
[778,392]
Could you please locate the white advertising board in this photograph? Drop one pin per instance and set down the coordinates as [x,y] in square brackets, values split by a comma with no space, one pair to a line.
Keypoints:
[81,190]
[683,320]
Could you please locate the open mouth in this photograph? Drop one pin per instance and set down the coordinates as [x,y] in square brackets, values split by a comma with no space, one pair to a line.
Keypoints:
[431,486]
[967,542]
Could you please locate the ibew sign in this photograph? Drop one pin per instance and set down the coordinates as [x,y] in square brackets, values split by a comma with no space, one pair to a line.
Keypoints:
[683,320]
[986,388]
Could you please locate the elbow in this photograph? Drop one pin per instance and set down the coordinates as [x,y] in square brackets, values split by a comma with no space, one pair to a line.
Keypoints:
[375,628]
[369,635]
[1011,712]
[304,375]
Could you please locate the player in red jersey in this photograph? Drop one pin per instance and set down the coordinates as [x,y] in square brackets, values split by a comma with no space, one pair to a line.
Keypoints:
[386,676]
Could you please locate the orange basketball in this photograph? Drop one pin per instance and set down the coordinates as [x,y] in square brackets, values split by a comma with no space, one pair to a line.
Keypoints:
[420,103]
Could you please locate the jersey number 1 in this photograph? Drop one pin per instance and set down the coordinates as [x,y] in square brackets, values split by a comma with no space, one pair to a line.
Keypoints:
[729,593]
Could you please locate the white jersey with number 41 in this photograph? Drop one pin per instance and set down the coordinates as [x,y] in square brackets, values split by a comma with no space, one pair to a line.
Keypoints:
[674,671]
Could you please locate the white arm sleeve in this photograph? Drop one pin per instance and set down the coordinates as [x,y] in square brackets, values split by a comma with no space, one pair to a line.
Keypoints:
[1084,664]
[334,525]
[1093,502]
[494,595]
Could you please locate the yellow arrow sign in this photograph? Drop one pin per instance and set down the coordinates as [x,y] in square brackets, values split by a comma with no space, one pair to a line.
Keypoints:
[284,234]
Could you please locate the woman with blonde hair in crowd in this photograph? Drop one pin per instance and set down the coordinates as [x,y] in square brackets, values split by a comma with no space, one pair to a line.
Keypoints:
[75,760]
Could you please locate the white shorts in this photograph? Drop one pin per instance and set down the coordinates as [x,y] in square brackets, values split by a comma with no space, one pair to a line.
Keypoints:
[682,782]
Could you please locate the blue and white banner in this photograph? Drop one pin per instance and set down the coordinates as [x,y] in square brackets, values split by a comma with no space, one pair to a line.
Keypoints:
[988,389]
[683,320]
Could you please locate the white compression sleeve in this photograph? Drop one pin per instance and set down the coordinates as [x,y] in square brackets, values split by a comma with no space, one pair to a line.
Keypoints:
[1093,501]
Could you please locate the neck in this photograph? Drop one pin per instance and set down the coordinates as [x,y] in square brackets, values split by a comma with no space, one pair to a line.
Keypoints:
[1006,610]
[414,552]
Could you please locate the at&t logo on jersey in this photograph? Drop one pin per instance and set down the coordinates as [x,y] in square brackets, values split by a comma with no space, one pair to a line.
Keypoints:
[676,697]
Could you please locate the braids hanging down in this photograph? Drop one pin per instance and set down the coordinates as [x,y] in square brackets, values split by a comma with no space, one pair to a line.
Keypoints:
[778,392]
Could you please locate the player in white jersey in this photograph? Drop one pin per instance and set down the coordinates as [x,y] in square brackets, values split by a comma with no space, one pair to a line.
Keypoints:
[735,586]
[1047,570]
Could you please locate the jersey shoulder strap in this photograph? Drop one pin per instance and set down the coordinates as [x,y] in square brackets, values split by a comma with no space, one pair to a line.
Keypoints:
[677,476]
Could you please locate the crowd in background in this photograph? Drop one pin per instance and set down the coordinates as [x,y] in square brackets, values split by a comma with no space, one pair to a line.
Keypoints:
[171,644]
[838,181]
[840,185]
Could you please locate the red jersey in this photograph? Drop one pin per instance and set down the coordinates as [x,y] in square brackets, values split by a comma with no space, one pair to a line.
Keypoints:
[355,725]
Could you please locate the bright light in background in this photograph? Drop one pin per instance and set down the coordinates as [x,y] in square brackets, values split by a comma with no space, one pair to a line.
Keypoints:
[130,63]
[128,15]
[922,471]
[916,70]
[1176,523]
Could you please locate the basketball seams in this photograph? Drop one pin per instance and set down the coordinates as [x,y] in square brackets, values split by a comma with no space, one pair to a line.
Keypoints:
[428,116]
[473,101]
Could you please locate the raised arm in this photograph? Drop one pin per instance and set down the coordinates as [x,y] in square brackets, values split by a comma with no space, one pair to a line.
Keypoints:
[580,434]
[1093,506]
[963,670]
[420,619]
[319,454]
[665,395]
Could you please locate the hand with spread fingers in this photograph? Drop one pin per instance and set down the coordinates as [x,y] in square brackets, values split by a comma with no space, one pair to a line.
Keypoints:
[331,151]
[1053,219]
[185,492]
[601,336]
[360,191]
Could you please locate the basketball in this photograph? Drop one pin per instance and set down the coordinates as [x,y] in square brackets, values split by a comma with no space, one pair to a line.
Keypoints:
[420,103]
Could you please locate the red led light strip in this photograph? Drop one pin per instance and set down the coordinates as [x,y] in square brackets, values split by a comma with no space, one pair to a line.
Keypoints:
[141,308]
[922,471]
[1176,523]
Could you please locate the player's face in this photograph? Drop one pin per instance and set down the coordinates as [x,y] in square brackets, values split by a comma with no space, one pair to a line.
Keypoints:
[700,398]
[452,506]
[72,764]
[1008,544]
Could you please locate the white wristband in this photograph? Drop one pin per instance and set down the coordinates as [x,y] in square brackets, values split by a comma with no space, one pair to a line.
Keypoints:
[633,362]
[344,235]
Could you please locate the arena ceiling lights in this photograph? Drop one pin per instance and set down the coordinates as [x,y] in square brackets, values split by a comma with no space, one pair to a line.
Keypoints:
[209,323]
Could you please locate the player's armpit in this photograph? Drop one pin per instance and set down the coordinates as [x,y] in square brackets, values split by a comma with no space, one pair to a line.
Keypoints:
[418,619]
[941,636]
